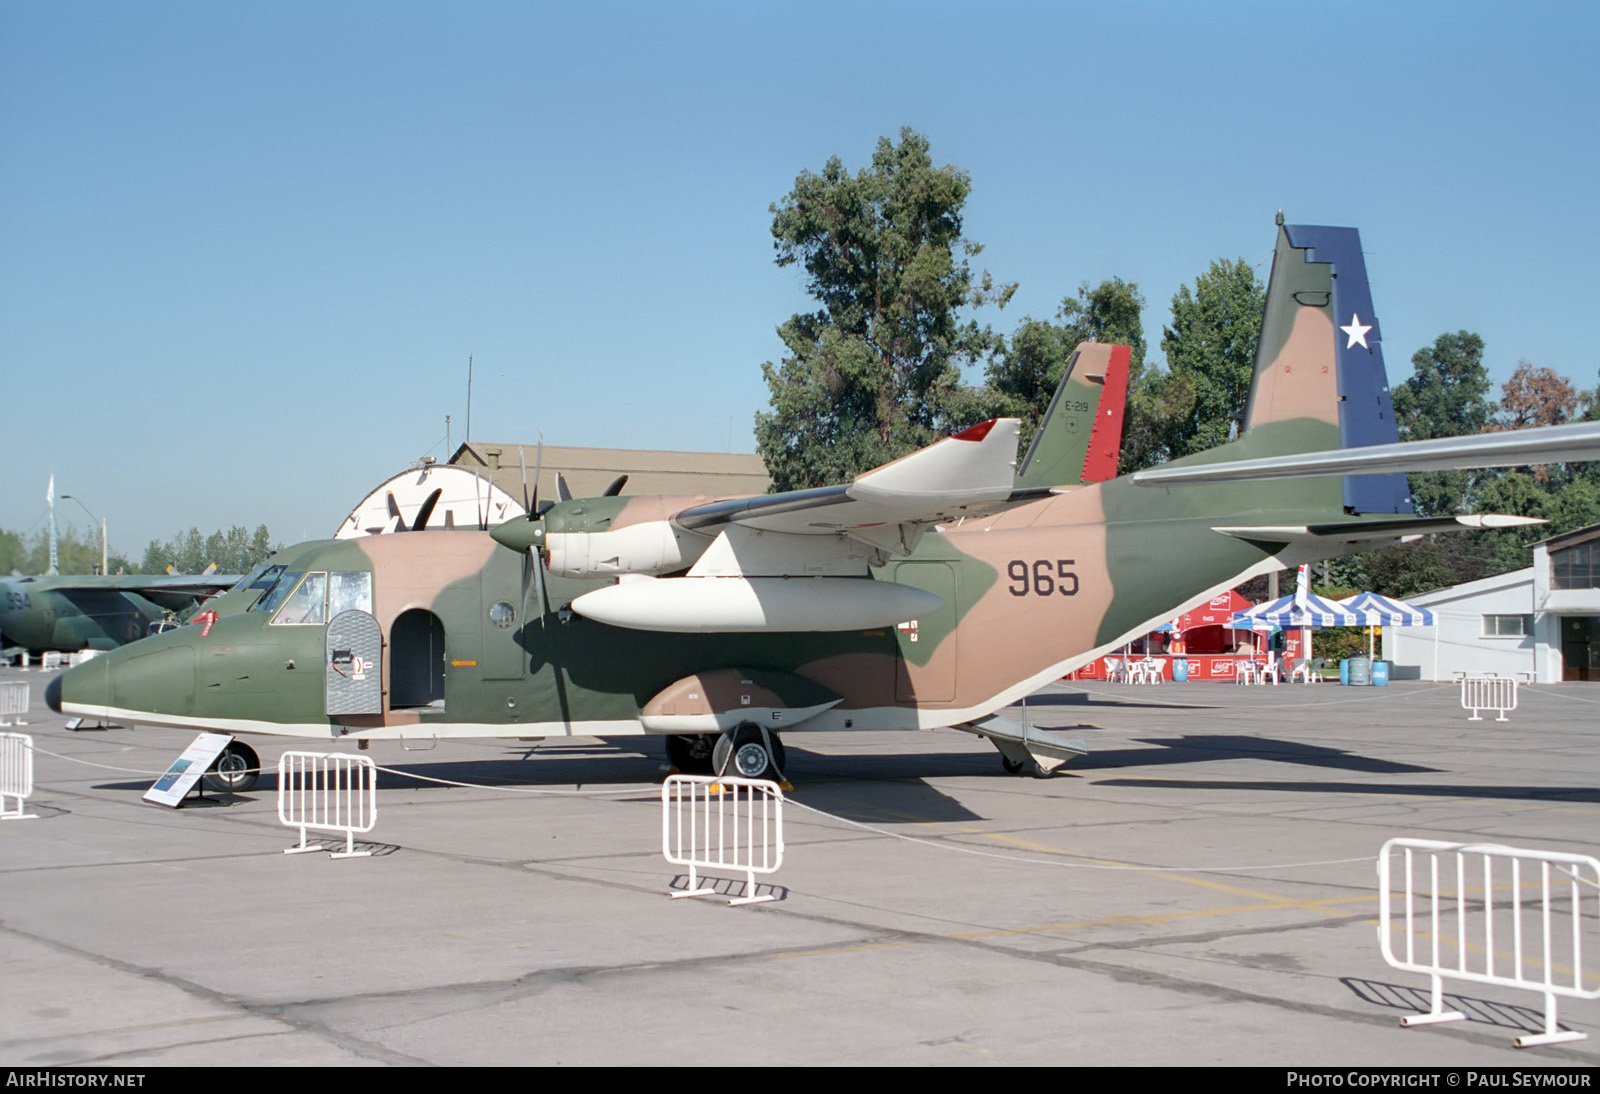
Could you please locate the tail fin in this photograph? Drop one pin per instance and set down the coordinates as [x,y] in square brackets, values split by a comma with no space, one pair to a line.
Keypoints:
[1081,434]
[1319,365]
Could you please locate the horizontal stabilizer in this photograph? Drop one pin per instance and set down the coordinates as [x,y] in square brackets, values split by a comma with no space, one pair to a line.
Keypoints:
[1579,442]
[1018,742]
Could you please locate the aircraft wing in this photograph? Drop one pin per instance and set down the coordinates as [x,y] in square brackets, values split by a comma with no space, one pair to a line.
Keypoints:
[1578,442]
[174,592]
[970,473]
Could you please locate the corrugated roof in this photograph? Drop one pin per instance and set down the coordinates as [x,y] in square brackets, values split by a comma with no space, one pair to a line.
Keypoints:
[590,471]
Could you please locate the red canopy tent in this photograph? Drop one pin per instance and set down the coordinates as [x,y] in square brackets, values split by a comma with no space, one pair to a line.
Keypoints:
[1207,641]
[1205,629]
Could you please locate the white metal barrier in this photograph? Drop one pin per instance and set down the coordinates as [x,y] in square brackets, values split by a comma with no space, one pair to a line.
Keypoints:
[13,700]
[1493,915]
[1489,693]
[328,791]
[16,774]
[50,661]
[724,823]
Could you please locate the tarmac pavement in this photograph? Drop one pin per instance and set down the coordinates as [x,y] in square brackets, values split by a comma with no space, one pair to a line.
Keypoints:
[1200,889]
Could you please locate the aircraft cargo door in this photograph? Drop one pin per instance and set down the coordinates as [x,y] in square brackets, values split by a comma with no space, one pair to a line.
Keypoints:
[926,670]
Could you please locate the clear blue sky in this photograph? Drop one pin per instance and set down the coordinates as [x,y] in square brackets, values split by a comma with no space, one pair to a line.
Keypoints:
[247,248]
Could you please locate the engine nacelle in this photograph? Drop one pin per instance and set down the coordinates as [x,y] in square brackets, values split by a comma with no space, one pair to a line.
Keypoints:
[653,547]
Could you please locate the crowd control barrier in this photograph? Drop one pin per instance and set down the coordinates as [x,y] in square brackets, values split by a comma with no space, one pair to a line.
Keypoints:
[722,823]
[13,701]
[16,774]
[1491,915]
[328,791]
[1489,693]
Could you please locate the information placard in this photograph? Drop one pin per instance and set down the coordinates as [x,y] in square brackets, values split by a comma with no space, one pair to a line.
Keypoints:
[170,789]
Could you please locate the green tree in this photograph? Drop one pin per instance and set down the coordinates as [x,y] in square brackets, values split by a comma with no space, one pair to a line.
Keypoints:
[875,372]
[235,551]
[13,553]
[1446,396]
[1210,348]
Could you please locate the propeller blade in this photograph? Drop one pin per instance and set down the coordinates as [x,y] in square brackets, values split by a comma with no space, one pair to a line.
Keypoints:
[397,522]
[562,490]
[426,511]
[522,462]
[538,467]
[536,560]
[532,559]
[616,488]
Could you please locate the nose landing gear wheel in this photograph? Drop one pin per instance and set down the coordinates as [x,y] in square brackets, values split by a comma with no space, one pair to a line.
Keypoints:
[235,771]
[745,752]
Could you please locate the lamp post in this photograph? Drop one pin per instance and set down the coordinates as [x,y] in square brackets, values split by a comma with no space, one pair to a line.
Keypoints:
[102,521]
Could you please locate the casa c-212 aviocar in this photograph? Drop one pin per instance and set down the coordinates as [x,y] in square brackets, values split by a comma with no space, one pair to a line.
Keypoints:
[930,592]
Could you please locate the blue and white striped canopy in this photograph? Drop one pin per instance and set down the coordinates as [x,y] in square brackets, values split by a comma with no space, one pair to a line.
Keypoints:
[1381,611]
[1296,610]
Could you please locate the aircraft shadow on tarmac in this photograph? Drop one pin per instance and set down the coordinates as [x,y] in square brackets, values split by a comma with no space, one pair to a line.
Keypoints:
[1574,794]
[1199,748]
[1415,1000]
[901,790]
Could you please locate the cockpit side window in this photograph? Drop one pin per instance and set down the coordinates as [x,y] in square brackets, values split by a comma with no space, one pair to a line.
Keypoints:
[349,591]
[276,592]
[306,605]
[265,579]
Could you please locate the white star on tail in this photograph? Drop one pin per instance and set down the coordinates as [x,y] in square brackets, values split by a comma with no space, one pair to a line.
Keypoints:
[1357,332]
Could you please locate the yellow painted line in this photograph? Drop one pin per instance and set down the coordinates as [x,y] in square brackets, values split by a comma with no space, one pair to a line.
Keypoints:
[1274,900]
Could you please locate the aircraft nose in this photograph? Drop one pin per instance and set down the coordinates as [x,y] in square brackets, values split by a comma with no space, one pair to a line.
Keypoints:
[85,684]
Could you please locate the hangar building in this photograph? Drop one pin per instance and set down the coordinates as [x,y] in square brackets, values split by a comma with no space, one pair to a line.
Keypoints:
[589,471]
[1542,622]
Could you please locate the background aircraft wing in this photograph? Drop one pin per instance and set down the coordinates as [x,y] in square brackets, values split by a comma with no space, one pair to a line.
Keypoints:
[175,592]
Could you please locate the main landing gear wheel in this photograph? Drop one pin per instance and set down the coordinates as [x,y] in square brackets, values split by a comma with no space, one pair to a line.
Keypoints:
[745,752]
[1013,767]
[691,753]
[235,771]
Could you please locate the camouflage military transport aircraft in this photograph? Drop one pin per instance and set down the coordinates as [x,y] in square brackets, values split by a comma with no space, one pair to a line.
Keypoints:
[930,592]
